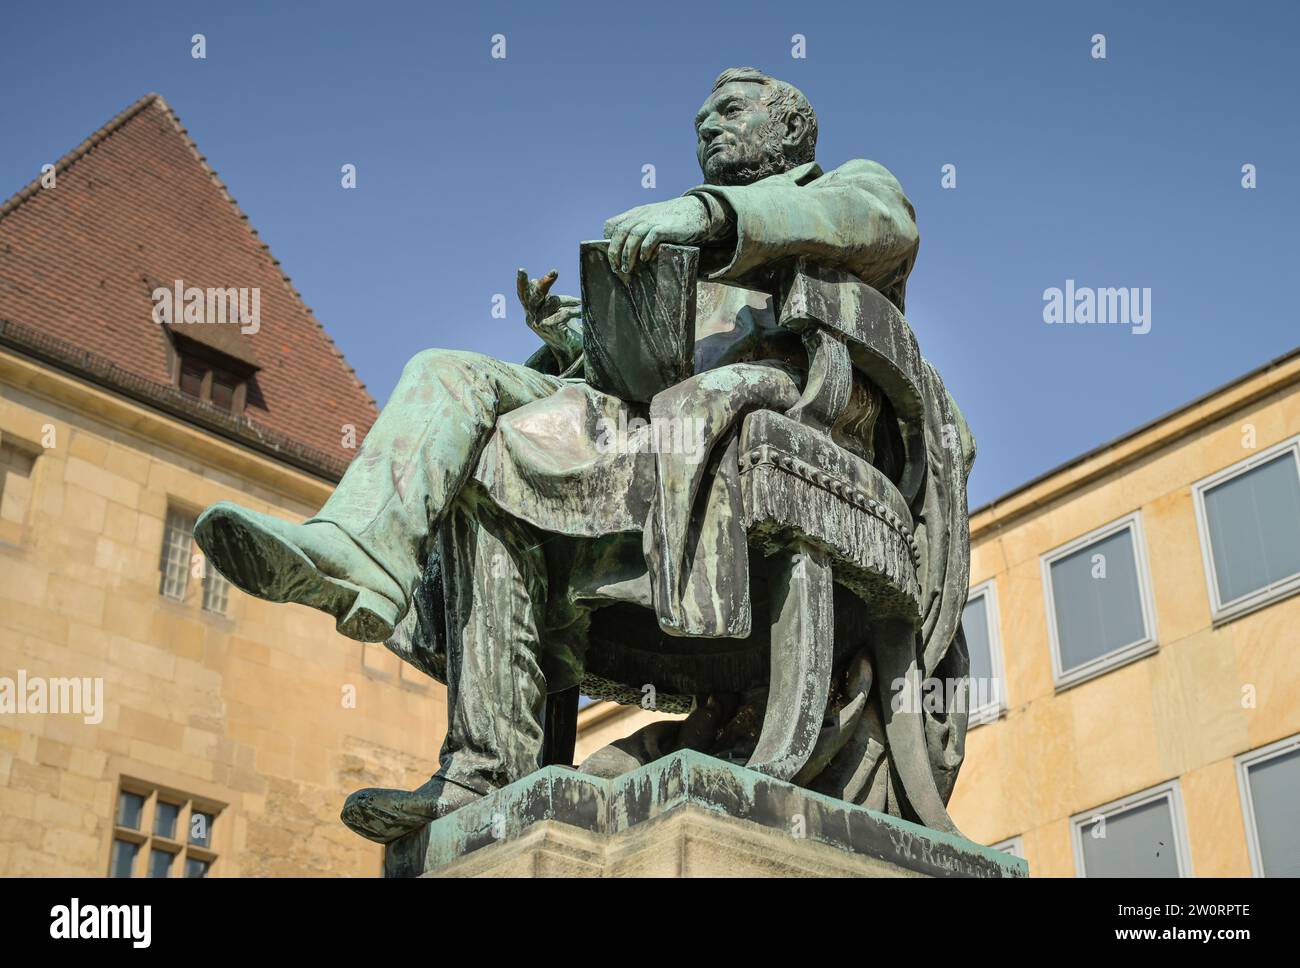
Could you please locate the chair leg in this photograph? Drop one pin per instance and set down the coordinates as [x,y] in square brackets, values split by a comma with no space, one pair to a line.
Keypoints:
[803,625]
[899,669]
[560,729]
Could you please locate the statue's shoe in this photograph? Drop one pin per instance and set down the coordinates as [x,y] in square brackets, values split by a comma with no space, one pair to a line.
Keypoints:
[383,815]
[314,564]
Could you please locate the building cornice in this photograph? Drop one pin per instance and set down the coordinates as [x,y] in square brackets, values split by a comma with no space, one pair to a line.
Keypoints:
[1109,458]
[157,428]
[169,399]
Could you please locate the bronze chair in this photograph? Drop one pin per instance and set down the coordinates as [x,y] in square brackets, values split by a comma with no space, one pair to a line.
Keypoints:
[828,491]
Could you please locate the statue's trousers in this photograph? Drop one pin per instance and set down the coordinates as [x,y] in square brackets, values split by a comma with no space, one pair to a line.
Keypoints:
[421,450]
[495,587]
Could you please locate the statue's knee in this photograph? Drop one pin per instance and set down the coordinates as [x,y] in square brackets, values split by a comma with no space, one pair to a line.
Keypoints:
[677,400]
[434,362]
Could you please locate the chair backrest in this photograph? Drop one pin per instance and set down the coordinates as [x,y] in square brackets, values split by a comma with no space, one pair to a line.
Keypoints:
[849,326]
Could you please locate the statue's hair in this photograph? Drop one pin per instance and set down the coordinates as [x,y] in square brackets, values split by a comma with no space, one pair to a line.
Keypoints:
[783,100]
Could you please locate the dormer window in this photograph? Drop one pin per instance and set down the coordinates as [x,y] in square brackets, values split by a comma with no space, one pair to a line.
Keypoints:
[224,389]
[212,384]
[206,373]
[192,376]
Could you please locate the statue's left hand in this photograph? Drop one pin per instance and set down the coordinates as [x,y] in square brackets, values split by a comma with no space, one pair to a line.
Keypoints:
[556,319]
[636,233]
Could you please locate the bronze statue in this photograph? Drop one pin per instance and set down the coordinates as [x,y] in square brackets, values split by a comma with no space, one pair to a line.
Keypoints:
[788,568]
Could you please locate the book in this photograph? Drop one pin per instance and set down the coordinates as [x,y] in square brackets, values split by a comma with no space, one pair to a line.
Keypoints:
[638,330]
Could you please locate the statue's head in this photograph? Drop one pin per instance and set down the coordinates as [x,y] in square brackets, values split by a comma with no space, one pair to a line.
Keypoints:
[752,126]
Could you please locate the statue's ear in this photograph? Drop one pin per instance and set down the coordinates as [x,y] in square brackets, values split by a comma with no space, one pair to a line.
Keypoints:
[796,126]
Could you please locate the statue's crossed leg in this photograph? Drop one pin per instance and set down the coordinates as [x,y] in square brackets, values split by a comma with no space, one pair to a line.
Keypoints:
[359,557]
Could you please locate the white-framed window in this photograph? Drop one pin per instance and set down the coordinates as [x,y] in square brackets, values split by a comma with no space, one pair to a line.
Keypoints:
[216,590]
[1015,846]
[979,621]
[1248,516]
[1098,592]
[181,560]
[178,539]
[1141,835]
[1269,782]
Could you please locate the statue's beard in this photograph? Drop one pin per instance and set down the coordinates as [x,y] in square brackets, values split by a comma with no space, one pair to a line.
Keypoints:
[767,158]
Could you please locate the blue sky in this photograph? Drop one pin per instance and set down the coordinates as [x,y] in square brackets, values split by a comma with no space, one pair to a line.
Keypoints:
[1122,172]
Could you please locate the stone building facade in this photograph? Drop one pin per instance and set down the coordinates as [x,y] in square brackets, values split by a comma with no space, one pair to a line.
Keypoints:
[227,731]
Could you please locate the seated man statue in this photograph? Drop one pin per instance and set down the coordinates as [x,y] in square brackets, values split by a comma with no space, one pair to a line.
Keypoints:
[361,557]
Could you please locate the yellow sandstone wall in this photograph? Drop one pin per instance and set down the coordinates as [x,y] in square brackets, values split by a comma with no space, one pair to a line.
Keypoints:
[246,709]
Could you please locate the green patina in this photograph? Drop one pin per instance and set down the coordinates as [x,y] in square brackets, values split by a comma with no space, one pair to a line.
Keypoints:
[784,580]
[690,779]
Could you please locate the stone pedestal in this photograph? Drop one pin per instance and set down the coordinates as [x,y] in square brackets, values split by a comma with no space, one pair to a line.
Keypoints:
[686,815]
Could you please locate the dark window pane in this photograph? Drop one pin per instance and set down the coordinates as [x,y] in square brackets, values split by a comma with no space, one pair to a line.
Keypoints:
[192,378]
[195,867]
[975,623]
[164,824]
[1275,794]
[160,863]
[223,391]
[1254,524]
[130,808]
[216,590]
[123,858]
[1138,842]
[1097,600]
[178,541]
[201,828]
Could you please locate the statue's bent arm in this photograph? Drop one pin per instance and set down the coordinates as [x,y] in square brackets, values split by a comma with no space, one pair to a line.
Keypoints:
[855,217]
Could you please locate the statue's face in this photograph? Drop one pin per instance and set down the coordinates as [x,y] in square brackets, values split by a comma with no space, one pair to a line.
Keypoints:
[735,136]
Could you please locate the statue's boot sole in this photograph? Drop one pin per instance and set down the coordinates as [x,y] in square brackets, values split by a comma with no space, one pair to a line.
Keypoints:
[383,815]
[268,565]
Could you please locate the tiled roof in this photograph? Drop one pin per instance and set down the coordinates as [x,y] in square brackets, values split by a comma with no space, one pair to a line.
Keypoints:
[136,206]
